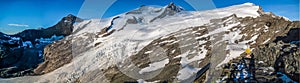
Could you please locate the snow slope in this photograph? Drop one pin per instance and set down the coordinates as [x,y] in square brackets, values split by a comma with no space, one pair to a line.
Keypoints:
[129,38]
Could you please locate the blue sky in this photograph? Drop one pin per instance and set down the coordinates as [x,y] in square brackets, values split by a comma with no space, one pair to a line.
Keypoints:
[17,15]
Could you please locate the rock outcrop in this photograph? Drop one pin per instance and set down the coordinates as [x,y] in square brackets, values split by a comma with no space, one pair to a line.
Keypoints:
[280,54]
[54,57]
[283,54]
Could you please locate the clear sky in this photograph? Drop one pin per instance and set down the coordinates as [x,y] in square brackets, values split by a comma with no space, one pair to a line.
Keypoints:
[17,15]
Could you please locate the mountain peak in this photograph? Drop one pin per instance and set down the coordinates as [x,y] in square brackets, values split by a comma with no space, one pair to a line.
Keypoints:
[171,3]
[70,15]
[71,18]
[174,7]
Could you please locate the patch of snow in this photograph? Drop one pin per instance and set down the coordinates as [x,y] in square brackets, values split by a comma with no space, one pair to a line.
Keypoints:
[173,51]
[253,39]
[40,53]
[266,41]
[185,60]
[148,52]
[254,25]
[187,72]
[15,38]
[257,29]
[166,41]
[233,36]
[154,66]
[266,29]
[27,44]
[285,18]
[49,40]
[232,54]
[260,62]
[67,21]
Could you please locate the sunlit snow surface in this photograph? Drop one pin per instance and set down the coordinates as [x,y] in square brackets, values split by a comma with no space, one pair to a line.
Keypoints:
[133,37]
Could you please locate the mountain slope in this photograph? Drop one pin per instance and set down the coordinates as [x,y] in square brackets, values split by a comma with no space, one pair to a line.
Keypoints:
[157,44]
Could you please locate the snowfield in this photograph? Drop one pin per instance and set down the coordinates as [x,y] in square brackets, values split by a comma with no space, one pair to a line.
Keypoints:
[130,37]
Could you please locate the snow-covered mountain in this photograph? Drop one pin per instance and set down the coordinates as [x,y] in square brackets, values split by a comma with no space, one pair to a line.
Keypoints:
[157,44]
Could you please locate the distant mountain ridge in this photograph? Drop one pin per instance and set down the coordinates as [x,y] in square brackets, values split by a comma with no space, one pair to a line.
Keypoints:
[64,27]
[22,52]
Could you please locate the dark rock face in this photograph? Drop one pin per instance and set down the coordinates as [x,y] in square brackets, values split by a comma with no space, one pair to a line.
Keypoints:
[16,60]
[283,57]
[3,51]
[19,62]
[283,54]
[292,35]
